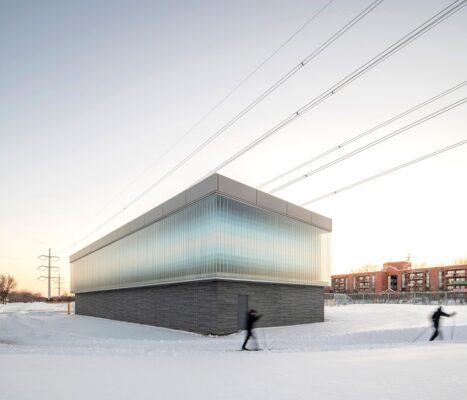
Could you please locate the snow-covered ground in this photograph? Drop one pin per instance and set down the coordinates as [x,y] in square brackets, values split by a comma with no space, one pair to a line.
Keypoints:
[360,352]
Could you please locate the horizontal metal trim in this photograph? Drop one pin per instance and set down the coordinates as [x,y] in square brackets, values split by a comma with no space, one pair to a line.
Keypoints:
[213,278]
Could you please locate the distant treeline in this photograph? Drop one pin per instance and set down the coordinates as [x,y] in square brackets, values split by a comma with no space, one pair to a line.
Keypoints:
[26,296]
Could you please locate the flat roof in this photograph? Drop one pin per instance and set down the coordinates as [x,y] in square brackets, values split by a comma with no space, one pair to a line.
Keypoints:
[213,184]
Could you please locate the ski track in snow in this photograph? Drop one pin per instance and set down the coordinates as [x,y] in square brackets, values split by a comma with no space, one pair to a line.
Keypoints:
[46,328]
[360,352]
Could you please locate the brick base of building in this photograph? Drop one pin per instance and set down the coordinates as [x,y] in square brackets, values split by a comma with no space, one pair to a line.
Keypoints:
[208,307]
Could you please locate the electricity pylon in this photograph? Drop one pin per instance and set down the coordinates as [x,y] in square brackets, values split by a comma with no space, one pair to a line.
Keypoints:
[47,268]
[59,282]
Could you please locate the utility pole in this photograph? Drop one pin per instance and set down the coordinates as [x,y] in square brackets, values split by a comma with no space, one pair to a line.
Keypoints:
[59,284]
[49,269]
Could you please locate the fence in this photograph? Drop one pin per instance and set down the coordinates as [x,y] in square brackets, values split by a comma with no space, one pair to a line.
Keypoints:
[429,298]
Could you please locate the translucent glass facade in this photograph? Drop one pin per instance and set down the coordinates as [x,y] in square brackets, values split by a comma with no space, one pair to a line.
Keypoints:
[216,237]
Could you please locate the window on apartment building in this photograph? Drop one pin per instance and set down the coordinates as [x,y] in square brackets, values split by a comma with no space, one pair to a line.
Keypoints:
[404,281]
[427,280]
[373,282]
[440,279]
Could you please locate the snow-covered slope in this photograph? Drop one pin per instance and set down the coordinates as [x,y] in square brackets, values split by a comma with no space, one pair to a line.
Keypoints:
[360,352]
[42,327]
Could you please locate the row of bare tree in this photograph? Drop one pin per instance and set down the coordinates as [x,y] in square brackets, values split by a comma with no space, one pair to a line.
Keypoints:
[7,284]
[24,296]
[7,292]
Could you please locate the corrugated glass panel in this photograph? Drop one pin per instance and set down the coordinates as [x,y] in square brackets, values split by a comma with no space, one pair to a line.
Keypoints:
[216,237]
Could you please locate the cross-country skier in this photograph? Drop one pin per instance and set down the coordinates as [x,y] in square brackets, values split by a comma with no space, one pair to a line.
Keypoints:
[251,318]
[436,317]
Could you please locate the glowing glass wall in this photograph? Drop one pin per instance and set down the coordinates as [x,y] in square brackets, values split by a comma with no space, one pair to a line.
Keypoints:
[216,237]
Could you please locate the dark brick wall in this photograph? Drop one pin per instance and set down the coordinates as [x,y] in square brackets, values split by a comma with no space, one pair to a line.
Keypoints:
[187,306]
[206,307]
[278,304]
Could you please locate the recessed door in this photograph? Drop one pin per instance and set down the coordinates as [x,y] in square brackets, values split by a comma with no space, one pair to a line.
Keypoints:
[242,309]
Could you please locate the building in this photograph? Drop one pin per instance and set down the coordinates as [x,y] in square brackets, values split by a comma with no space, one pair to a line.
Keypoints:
[198,261]
[401,277]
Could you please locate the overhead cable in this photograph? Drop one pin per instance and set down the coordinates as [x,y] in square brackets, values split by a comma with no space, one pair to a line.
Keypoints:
[366,133]
[372,144]
[212,109]
[265,94]
[244,111]
[387,172]
[391,50]
[208,113]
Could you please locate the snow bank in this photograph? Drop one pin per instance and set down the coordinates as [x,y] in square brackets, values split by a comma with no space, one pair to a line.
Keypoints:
[47,328]
[360,352]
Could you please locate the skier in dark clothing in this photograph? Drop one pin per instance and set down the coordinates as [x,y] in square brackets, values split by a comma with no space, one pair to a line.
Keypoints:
[251,318]
[436,317]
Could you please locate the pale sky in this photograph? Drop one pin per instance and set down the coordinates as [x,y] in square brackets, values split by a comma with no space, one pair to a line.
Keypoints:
[93,92]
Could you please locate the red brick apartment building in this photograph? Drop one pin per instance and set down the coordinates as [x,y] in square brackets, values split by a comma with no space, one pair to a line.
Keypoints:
[401,277]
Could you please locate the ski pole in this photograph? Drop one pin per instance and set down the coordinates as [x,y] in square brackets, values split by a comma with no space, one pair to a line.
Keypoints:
[420,334]
[265,342]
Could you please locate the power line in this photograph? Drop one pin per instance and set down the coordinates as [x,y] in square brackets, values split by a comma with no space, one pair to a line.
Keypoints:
[391,50]
[211,110]
[371,144]
[387,172]
[367,132]
[265,94]
[248,108]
